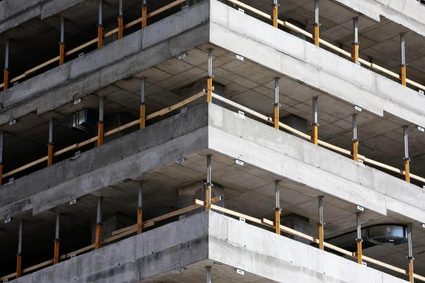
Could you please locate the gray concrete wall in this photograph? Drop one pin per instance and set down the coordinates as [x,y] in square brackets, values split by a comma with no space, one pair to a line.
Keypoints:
[118,60]
[316,167]
[125,158]
[15,12]
[316,67]
[209,236]
[408,13]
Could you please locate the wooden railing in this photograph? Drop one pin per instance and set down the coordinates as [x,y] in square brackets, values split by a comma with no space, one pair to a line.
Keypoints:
[305,136]
[92,42]
[323,42]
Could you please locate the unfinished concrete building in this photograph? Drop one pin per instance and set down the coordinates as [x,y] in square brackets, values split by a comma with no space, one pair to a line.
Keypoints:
[212,141]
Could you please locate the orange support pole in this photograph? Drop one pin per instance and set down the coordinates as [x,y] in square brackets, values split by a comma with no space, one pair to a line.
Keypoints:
[139,220]
[276,103]
[355,50]
[277,213]
[120,27]
[209,89]
[411,271]
[315,134]
[316,32]
[403,74]
[321,225]
[61,53]
[98,237]
[403,68]
[50,154]
[355,53]
[407,170]
[144,14]
[275,13]
[100,36]
[6,74]
[316,35]
[100,133]
[277,210]
[359,252]
[142,116]
[18,266]
[56,252]
[355,150]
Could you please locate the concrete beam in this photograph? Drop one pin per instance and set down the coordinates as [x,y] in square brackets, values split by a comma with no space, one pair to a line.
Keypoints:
[316,67]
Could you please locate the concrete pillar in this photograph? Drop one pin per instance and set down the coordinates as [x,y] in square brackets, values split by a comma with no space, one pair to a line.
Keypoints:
[315,122]
[275,13]
[98,237]
[6,71]
[120,20]
[406,154]
[359,239]
[276,102]
[410,253]
[355,51]
[142,105]
[210,76]
[19,254]
[316,34]
[1,156]
[62,42]
[355,151]
[144,13]
[100,28]
[277,209]
[139,209]
[208,185]
[56,248]
[403,65]
[321,226]
[100,123]
[208,274]
[50,145]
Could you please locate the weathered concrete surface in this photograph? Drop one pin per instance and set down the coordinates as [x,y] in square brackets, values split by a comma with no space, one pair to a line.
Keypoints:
[215,237]
[316,167]
[118,60]
[316,67]
[408,13]
[125,158]
[15,12]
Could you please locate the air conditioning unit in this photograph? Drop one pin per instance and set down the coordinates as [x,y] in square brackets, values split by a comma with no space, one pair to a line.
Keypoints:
[84,120]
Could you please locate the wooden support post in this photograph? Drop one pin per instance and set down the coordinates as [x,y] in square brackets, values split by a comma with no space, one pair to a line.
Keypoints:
[277,210]
[276,103]
[410,257]
[120,21]
[144,13]
[100,28]
[403,65]
[139,210]
[19,254]
[321,225]
[355,151]
[50,144]
[411,271]
[275,13]
[56,247]
[315,123]
[406,154]
[316,33]
[6,71]
[208,185]
[100,124]
[98,236]
[359,239]
[62,43]
[6,80]
[142,105]
[210,87]
[355,51]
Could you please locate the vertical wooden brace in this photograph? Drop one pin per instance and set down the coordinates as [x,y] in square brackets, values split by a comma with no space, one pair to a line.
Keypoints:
[100,133]
[120,21]
[50,148]
[100,36]
[144,21]
[61,53]
[6,80]
[275,14]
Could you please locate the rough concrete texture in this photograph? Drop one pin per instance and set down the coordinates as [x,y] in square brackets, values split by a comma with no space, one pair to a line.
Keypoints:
[125,158]
[409,13]
[15,12]
[118,60]
[321,69]
[209,236]
[303,162]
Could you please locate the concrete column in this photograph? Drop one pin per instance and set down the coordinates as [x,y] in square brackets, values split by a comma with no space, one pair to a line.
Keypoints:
[208,274]
[19,254]
[355,51]
[56,248]
[98,238]
[142,105]
[355,140]
[277,209]
[316,34]
[208,185]
[321,226]
[139,209]
[62,42]
[6,71]
[210,76]
[359,239]
[410,253]
[276,102]
[403,65]
[315,122]
[100,28]
[406,154]
[50,145]
[1,156]
[144,13]
[100,123]
[120,20]
[275,13]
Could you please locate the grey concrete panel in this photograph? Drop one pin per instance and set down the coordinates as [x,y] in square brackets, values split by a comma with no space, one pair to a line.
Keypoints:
[301,161]
[316,67]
